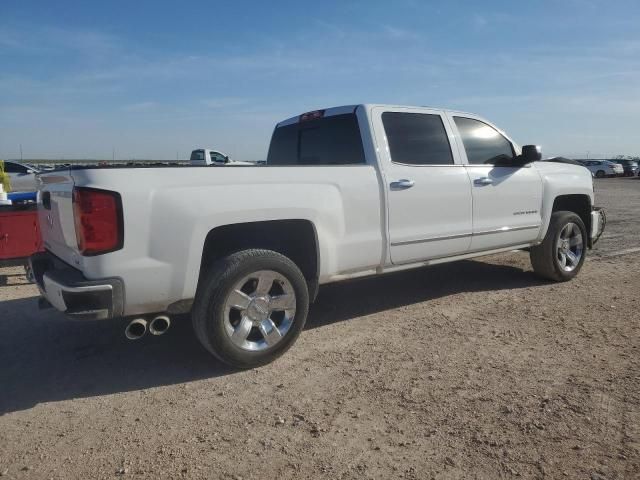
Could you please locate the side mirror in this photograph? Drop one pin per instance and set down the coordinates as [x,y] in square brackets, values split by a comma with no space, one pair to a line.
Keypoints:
[530,153]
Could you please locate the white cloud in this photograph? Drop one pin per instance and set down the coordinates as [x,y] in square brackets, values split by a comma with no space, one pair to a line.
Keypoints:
[139,107]
[398,33]
[47,40]
[326,64]
[224,102]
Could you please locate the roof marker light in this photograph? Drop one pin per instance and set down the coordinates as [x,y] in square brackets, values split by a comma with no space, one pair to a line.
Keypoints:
[305,117]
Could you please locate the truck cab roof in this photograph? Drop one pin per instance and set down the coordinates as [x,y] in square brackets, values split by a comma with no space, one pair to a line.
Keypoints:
[340,110]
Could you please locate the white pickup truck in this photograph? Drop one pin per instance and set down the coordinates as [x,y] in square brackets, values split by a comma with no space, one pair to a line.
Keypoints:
[207,157]
[346,192]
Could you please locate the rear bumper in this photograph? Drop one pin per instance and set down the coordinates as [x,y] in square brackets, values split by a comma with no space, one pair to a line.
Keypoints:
[598,222]
[66,289]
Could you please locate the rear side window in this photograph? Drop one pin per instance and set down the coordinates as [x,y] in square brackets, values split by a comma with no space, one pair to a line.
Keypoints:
[197,155]
[484,144]
[417,138]
[333,140]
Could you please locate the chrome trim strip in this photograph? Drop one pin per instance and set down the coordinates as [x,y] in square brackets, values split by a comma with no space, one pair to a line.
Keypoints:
[432,239]
[507,229]
[463,235]
[429,164]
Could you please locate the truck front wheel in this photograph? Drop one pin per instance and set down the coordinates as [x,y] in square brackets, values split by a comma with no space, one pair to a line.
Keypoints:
[561,254]
[250,307]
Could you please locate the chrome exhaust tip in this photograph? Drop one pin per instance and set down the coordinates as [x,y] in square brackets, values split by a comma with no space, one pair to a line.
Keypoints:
[159,325]
[136,329]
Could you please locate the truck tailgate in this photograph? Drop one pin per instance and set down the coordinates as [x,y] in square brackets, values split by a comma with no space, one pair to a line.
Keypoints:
[55,213]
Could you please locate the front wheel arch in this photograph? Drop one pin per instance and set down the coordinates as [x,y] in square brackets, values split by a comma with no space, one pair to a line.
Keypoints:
[545,256]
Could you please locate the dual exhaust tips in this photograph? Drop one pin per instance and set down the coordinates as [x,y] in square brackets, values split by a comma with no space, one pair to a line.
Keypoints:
[138,327]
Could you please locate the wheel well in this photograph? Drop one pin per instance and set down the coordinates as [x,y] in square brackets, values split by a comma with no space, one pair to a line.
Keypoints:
[295,239]
[579,204]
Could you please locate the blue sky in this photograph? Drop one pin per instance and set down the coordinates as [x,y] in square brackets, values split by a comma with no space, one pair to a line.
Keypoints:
[156,78]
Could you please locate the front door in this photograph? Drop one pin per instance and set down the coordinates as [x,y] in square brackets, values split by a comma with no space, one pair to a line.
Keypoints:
[428,189]
[507,199]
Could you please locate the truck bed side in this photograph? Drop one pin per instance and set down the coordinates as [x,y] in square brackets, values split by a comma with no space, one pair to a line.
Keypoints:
[168,213]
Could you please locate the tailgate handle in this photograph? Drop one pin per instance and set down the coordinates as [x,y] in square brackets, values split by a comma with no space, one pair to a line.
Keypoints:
[46,200]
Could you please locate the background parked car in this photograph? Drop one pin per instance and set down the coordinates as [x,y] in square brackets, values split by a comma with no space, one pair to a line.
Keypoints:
[22,177]
[603,168]
[629,167]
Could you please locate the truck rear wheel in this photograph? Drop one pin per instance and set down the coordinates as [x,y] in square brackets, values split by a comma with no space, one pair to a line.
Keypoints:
[250,307]
[562,252]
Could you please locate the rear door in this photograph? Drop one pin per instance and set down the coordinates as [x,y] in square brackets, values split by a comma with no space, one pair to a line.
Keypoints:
[428,190]
[507,199]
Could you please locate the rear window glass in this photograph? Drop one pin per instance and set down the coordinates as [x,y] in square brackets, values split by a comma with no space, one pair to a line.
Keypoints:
[197,155]
[417,138]
[333,140]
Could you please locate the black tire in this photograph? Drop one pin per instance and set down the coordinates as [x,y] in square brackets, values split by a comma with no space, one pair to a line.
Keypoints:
[544,257]
[209,306]
[600,174]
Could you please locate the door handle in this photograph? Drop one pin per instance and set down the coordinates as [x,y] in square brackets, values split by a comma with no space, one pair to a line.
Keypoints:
[483,181]
[402,184]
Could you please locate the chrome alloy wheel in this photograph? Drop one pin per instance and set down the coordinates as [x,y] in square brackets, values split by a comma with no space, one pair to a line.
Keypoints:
[570,247]
[259,310]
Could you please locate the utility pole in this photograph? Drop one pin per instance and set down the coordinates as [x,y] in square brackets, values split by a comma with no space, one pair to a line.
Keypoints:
[176,156]
[113,154]
[20,152]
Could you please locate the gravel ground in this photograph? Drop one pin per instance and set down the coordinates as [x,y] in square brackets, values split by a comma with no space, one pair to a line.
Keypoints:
[470,370]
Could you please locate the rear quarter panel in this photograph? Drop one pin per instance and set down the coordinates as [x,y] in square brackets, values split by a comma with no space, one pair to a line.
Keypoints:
[168,213]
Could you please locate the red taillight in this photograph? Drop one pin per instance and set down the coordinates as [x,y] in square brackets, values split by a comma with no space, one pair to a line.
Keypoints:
[98,219]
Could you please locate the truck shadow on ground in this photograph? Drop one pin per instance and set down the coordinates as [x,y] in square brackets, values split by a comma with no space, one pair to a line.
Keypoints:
[10,280]
[44,357]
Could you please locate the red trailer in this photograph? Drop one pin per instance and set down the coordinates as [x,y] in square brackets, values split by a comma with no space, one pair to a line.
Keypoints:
[19,233]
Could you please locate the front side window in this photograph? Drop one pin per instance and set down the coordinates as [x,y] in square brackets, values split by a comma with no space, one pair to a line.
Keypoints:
[417,138]
[218,157]
[484,144]
[333,140]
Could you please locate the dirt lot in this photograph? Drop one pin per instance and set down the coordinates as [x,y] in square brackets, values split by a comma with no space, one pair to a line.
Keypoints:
[470,370]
